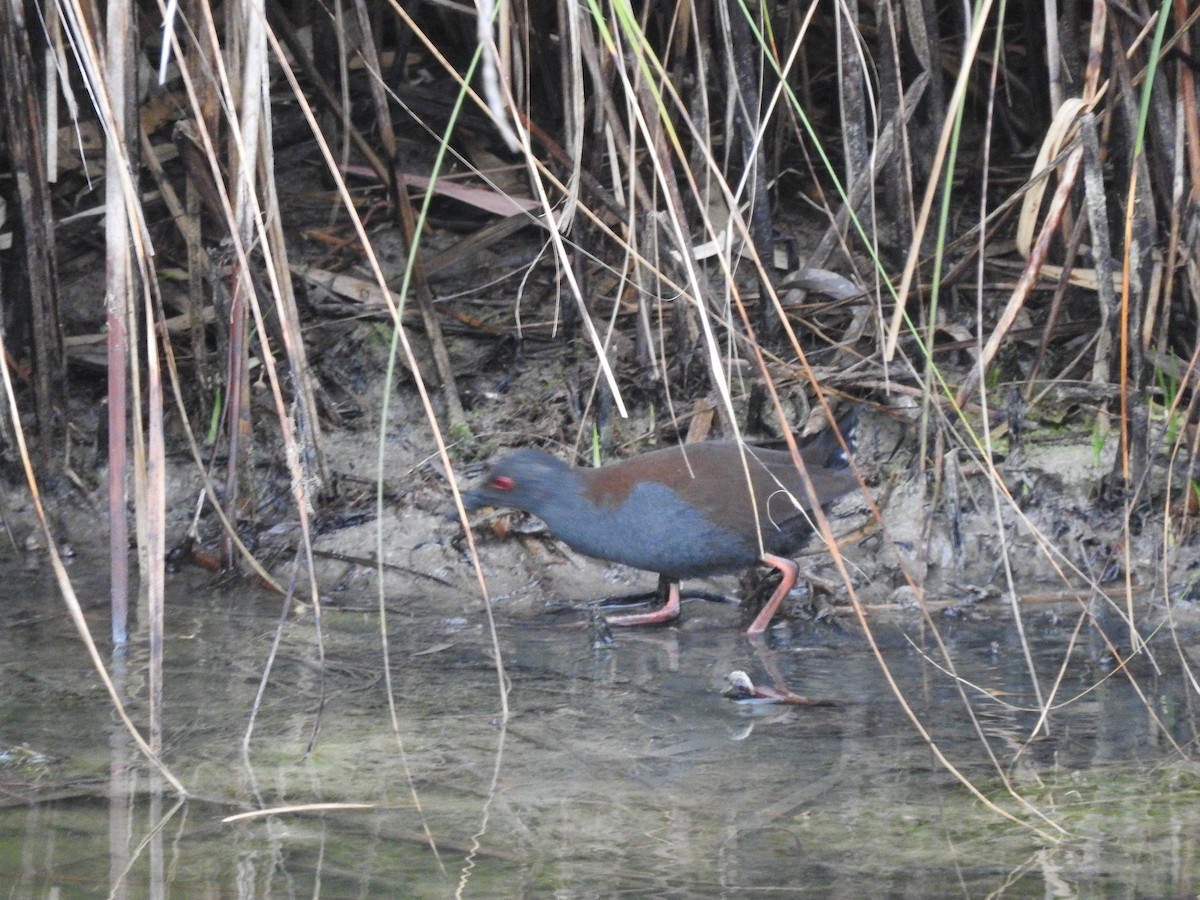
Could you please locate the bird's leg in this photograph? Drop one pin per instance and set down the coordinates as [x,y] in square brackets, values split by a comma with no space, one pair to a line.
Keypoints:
[789,570]
[668,612]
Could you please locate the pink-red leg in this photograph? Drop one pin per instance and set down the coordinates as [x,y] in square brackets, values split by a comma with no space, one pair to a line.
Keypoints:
[789,570]
[668,612]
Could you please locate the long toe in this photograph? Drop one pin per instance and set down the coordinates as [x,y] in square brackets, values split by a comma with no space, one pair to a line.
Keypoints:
[668,612]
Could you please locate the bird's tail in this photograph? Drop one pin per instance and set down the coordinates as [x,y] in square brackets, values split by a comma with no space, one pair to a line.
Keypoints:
[828,449]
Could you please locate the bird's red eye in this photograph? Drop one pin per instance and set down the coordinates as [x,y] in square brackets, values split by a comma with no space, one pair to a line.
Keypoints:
[503,483]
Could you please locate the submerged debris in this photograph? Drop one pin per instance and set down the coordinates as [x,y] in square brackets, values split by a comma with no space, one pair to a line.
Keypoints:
[742,690]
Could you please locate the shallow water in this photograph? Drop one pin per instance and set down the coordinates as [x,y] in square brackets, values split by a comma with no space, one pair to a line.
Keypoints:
[621,771]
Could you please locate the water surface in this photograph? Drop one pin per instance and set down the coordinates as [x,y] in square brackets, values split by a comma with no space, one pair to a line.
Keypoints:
[622,771]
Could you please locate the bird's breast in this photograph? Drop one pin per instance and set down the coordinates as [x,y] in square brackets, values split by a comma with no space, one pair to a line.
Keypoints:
[656,530]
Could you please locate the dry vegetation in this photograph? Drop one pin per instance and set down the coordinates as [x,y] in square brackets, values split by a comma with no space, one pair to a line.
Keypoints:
[981,222]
